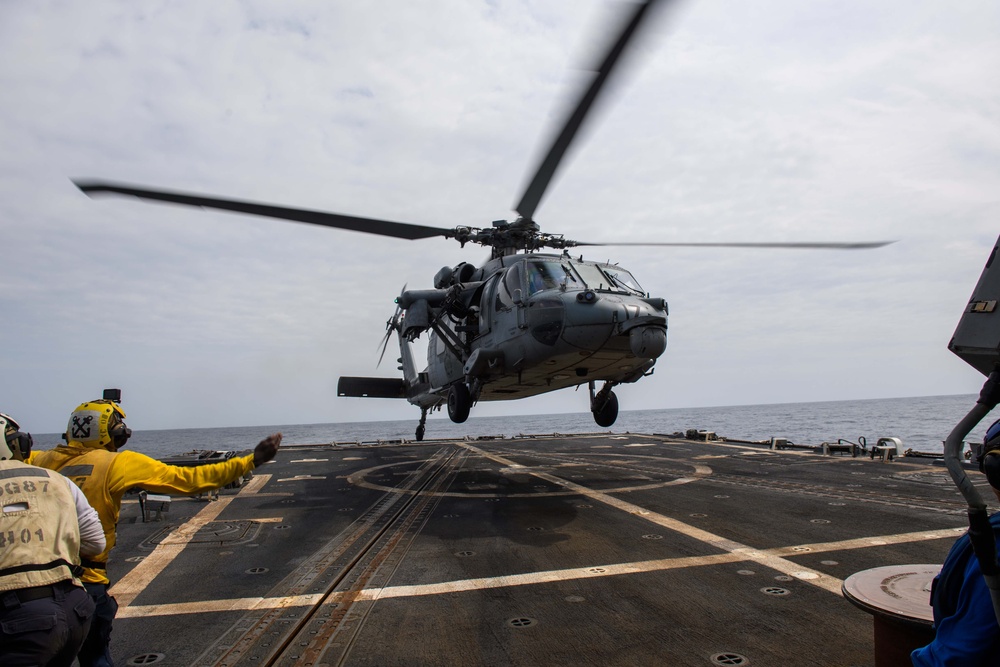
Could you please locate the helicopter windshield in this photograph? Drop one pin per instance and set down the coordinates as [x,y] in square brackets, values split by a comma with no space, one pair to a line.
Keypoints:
[606,278]
[623,278]
[543,275]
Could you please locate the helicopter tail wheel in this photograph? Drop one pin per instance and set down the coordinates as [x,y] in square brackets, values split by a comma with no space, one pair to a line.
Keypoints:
[606,413]
[459,402]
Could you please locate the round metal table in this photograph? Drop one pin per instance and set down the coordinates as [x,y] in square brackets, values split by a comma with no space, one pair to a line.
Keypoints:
[899,599]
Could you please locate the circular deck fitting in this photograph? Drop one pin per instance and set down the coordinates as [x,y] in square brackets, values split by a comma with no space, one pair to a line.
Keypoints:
[134,559]
[801,549]
[838,504]
[652,536]
[256,570]
[346,509]
[829,562]
[584,506]
[145,659]
[775,590]
[465,554]
[282,527]
[522,622]
[729,659]
[784,577]
[721,496]
[536,528]
[819,521]
[449,516]
[698,515]
[575,598]
[287,502]
[597,570]
[746,573]
[899,592]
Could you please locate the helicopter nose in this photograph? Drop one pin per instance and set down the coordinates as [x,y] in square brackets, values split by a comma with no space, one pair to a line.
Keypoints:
[648,342]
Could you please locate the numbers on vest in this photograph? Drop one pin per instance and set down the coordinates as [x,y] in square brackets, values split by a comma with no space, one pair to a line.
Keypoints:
[10,538]
[14,488]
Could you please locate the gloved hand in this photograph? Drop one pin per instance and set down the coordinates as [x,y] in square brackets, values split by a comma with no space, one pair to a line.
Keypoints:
[266,449]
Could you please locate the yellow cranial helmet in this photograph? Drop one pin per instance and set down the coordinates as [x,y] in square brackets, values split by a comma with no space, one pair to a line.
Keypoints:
[97,424]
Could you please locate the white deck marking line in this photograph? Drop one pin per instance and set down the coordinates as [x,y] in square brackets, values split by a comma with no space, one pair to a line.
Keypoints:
[128,587]
[787,567]
[525,579]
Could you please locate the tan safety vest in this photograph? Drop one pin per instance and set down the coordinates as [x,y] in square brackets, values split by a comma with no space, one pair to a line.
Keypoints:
[39,529]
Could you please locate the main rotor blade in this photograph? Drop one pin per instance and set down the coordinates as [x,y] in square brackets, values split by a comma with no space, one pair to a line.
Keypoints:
[401,230]
[547,169]
[828,246]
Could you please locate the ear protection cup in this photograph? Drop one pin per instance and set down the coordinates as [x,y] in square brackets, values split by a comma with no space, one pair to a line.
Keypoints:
[119,432]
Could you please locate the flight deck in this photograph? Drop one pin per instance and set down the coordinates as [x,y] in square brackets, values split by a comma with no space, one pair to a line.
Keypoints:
[594,549]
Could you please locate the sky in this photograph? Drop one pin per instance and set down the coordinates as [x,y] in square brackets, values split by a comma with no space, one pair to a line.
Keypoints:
[777,120]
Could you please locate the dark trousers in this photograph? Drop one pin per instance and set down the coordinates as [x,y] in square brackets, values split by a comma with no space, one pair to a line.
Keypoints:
[96,649]
[48,630]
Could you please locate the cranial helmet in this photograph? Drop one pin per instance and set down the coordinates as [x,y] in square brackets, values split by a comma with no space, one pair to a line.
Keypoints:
[98,424]
[15,445]
[989,456]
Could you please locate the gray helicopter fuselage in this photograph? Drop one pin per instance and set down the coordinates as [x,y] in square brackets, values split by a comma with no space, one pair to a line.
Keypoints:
[541,322]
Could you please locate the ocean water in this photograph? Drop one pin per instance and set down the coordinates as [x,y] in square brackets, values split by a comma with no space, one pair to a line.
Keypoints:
[922,423]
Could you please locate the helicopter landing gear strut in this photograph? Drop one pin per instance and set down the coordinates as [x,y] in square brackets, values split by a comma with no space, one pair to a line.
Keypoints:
[604,404]
[459,402]
[421,425]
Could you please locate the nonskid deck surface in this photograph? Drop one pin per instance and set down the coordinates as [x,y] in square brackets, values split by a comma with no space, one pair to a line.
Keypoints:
[570,550]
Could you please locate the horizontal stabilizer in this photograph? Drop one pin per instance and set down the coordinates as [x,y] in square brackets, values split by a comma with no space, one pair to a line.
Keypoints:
[371,387]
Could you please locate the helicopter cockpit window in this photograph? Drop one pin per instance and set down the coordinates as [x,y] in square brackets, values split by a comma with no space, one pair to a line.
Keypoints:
[622,278]
[594,277]
[543,275]
[508,285]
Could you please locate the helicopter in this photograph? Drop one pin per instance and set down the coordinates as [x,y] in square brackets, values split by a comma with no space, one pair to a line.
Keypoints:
[528,320]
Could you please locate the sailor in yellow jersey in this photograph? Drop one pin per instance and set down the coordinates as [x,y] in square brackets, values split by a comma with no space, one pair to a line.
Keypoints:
[45,525]
[90,457]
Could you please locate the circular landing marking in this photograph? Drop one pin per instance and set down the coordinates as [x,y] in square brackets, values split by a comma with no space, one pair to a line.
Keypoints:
[256,570]
[829,562]
[575,598]
[652,536]
[729,659]
[145,659]
[522,622]
[700,472]
[819,521]
[775,590]
[746,573]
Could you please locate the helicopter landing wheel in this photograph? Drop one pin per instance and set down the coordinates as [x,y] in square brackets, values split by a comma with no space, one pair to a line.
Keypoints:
[420,432]
[607,414]
[459,402]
